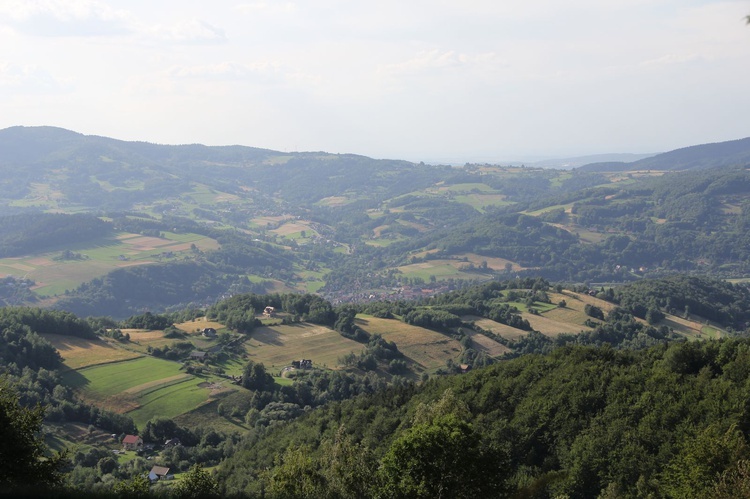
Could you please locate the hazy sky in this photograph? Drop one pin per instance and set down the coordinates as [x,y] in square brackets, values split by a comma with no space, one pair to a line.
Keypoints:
[414,79]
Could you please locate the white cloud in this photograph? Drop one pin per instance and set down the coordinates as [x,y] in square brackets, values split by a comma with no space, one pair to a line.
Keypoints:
[267,7]
[193,30]
[30,79]
[224,70]
[64,17]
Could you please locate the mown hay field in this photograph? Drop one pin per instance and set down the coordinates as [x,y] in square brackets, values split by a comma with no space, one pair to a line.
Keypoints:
[507,332]
[143,388]
[427,348]
[278,346]
[80,352]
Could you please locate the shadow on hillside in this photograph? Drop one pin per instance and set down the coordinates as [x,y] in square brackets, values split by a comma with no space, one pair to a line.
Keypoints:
[74,379]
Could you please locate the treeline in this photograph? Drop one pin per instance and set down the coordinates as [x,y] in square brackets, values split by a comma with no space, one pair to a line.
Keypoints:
[31,233]
[668,421]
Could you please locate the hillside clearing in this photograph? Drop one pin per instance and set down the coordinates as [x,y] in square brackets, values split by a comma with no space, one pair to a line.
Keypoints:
[278,346]
[507,332]
[81,352]
[427,348]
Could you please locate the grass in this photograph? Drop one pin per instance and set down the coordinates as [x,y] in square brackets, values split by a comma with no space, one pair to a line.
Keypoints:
[143,388]
[114,378]
[480,201]
[507,332]
[169,401]
[80,352]
[441,269]
[54,277]
[278,346]
[429,349]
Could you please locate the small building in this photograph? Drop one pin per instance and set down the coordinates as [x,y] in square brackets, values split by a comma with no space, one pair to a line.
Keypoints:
[269,312]
[158,473]
[198,355]
[132,442]
[465,368]
[209,332]
[305,364]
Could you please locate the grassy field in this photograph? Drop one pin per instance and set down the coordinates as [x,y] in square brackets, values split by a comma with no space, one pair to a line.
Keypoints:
[278,346]
[100,257]
[142,388]
[507,332]
[79,352]
[551,327]
[441,269]
[429,349]
[482,343]
[480,201]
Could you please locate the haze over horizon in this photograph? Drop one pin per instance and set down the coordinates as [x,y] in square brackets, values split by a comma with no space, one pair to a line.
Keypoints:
[454,81]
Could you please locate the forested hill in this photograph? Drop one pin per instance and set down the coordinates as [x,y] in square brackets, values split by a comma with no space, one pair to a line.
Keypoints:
[198,223]
[670,421]
[734,152]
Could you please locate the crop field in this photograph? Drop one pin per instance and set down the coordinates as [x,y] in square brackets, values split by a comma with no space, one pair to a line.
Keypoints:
[441,269]
[468,187]
[691,329]
[492,262]
[290,229]
[199,324]
[142,388]
[568,315]
[278,346]
[141,339]
[264,222]
[551,327]
[482,343]
[427,348]
[480,201]
[53,276]
[80,352]
[577,301]
[507,332]
[334,201]
[206,416]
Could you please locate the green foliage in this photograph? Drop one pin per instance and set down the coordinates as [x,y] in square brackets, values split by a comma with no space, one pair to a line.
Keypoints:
[196,483]
[440,459]
[33,233]
[25,461]
[147,321]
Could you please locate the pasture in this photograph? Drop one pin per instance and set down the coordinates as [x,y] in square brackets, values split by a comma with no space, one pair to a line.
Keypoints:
[551,327]
[53,276]
[278,346]
[143,388]
[441,269]
[507,332]
[487,345]
[80,352]
[425,347]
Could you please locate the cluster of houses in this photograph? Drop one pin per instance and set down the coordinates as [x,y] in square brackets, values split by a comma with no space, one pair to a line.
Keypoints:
[135,443]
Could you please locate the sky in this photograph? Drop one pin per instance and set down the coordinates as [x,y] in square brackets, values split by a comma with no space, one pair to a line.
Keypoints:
[422,80]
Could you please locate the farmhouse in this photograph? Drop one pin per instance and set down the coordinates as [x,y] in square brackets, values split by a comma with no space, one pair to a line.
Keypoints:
[302,364]
[132,442]
[198,355]
[269,312]
[209,332]
[159,473]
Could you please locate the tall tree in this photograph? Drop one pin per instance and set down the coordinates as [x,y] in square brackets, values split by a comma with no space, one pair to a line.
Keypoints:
[25,461]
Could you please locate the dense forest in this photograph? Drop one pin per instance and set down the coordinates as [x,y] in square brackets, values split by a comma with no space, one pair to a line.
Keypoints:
[628,409]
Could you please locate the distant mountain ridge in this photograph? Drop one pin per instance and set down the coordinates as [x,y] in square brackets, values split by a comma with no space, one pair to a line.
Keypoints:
[729,153]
